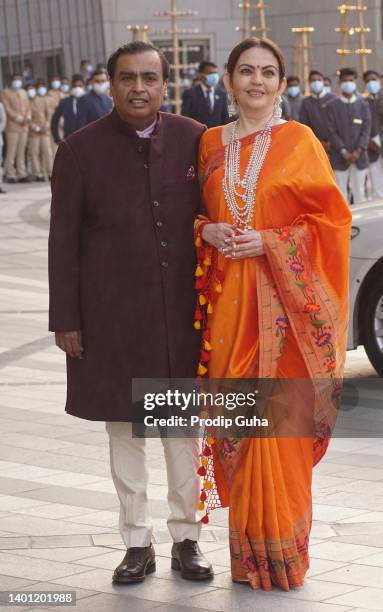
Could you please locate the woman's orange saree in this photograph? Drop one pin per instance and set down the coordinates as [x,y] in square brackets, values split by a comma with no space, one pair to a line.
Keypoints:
[281,315]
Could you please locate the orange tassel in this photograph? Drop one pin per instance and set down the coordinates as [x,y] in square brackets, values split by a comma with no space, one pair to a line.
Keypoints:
[201,506]
[207,261]
[204,460]
[208,485]
[207,345]
[209,308]
[198,241]
[210,440]
[218,287]
[197,325]
[201,369]
[199,271]
[202,300]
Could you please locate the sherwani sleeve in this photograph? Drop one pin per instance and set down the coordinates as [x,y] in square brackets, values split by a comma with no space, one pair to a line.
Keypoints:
[67,211]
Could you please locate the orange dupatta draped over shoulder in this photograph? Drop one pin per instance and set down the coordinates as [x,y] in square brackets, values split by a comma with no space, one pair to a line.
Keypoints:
[281,315]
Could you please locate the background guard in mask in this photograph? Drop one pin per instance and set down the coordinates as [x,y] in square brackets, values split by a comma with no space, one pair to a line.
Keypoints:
[67,110]
[204,102]
[97,102]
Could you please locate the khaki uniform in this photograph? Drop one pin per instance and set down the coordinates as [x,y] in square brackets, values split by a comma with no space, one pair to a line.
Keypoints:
[18,112]
[54,97]
[39,136]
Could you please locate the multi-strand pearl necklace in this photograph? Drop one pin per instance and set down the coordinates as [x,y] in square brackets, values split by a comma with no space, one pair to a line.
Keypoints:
[240,193]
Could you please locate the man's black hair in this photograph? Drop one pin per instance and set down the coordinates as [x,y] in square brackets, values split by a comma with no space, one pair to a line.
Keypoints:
[205,64]
[77,77]
[97,72]
[312,72]
[293,78]
[134,48]
[345,72]
[368,73]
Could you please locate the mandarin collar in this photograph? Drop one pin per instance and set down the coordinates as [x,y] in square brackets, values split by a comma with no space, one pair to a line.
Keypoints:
[130,130]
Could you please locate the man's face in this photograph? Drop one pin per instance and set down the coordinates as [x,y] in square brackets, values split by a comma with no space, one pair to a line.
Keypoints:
[138,87]
[349,77]
[316,77]
[99,78]
[371,77]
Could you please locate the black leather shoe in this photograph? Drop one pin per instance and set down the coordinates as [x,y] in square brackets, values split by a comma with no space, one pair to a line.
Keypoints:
[189,560]
[137,562]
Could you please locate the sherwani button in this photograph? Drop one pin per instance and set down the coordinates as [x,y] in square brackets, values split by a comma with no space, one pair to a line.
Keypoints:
[164,264]
[155,203]
[159,223]
[164,243]
[146,165]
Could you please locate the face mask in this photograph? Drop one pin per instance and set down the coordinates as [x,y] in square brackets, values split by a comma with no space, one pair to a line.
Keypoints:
[348,87]
[373,87]
[65,88]
[212,79]
[55,84]
[77,92]
[316,87]
[31,93]
[41,91]
[17,84]
[101,88]
[326,89]
[293,91]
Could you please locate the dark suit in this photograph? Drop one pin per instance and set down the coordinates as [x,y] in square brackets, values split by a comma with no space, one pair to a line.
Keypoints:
[65,109]
[195,104]
[92,107]
[122,258]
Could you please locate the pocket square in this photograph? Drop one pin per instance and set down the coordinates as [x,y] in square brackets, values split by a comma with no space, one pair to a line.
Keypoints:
[191,174]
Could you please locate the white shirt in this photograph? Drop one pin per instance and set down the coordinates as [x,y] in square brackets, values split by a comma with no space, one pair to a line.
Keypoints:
[209,91]
[147,132]
[349,100]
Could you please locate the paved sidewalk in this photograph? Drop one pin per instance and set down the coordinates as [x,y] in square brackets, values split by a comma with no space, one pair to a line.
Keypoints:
[58,509]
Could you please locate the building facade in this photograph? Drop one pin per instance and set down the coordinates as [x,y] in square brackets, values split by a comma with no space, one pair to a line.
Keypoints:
[47,36]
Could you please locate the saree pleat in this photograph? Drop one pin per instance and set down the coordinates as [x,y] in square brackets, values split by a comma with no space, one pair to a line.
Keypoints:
[282,315]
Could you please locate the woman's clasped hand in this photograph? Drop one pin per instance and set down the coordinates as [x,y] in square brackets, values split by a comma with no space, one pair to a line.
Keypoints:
[232,242]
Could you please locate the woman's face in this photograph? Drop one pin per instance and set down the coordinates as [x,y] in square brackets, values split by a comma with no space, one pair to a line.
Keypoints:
[256,83]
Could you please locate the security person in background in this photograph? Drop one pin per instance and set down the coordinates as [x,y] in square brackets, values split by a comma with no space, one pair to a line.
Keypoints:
[313,109]
[65,87]
[294,96]
[204,102]
[15,101]
[373,87]
[349,120]
[67,110]
[97,102]
[39,132]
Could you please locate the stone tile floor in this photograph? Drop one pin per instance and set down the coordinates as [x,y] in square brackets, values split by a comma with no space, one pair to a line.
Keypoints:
[58,509]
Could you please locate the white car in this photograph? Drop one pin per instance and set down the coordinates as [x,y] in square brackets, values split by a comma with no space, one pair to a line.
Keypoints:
[366,282]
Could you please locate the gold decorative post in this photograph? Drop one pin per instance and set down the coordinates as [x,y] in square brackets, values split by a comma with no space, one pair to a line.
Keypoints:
[303,54]
[247,29]
[346,31]
[139,32]
[176,66]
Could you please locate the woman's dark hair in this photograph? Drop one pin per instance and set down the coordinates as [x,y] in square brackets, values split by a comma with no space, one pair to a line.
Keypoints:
[134,48]
[262,43]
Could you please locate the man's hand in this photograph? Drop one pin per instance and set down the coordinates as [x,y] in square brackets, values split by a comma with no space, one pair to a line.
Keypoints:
[326,144]
[71,343]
